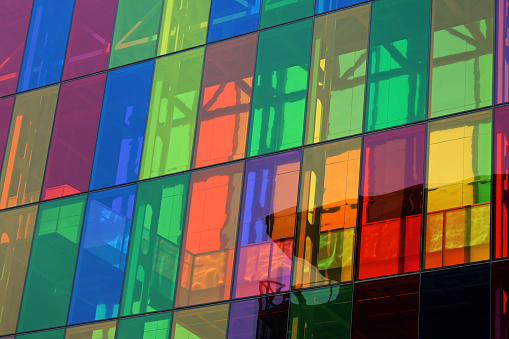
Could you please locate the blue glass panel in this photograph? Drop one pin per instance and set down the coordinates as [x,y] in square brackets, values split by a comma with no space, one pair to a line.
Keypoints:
[102,255]
[122,126]
[46,43]
[232,17]
[322,6]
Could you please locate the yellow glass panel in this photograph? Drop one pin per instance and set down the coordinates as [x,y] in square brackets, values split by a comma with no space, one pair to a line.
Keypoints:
[95,331]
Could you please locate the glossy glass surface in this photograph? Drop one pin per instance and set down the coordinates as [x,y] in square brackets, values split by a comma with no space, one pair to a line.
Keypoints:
[500,183]
[459,190]
[6,106]
[102,255]
[210,235]
[51,334]
[172,114]
[337,76]
[322,6]
[204,322]
[391,202]
[279,12]
[329,189]
[122,125]
[27,147]
[105,330]
[156,326]
[52,262]
[279,92]
[265,240]
[154,248]
[73,137]
[501,66]
[225,101]
[229,18]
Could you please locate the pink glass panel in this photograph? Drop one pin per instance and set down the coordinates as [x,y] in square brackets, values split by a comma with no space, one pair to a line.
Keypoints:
[501,183]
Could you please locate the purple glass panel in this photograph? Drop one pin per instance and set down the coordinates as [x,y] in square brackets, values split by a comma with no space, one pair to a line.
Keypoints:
[502,53]
[265,317]
[73,140]
[90,37]
[5,118]
[14,19]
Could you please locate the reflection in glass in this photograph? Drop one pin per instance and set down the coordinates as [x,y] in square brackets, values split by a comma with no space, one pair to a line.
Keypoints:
[322,6]
[502,53]
[6,105]
[279,12]
[105,330]
[204,322]
[155,326]
[229,18]
[501,183]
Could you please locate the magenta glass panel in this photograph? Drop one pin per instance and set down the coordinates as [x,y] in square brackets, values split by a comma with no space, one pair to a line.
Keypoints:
[14,19]
[265,240]
[502,53]
[265,317]
[391,202]
[5,118]
[73,140]
[90,37]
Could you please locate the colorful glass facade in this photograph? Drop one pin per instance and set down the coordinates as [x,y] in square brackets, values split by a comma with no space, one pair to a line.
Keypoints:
[254,169]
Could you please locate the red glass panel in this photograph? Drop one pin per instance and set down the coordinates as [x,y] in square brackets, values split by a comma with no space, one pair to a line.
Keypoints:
[501,183]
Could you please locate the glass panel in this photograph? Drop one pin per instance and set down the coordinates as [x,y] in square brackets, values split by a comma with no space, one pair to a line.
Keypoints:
[225,101]
[462,65]
[386,309]
[203,322]
[172,114]
[501,183]
[502,53]
[14,19]
[455,303]
[391,202]
[90,37]
[322,313]
[229,18]
[151,269]
[122,126]
[329,187]
[337,75]
[210,235]
[398,63]
[6,105]
[265,317]
[102,255]
[283,11]
[135,33]
[322,6]
[16,231]
[459,190]
[54,334]
[73,138]
[184,25]
[279,92]
[27,147]
[46,43]
[156,326]
[52,261]
[104,330]
[265,242]
[499,298]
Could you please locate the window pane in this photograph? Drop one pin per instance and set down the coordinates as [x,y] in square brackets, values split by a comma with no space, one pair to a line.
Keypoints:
[279,12]
[172,114]
[73,138]
[391,202]
[46,43]
[52,334]
[151,270]
[203,322]
[500,290]
[329,187]
[229,18]
[135,33]
[337,75]
[459,190]
[122,126]
[90,37]
[225,101]
[502,53]
[156,326]
[462,65]
[265,242]
[279,92]
[322,6]
[210,235]
[398,63]
[27,147]
[6,105]
[501,184]
[104,330]
[16,231]
[102,255]
[52,261]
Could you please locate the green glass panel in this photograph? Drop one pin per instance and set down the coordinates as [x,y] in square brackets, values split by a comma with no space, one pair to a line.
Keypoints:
[52,262]
[398,63]
[135,32]
[279,92]
[322,313]
[462,64]
[184,25]
[337,75]
[208,322]
[54,334]
[154,245]
[276,12]
[172,114]
[156,326]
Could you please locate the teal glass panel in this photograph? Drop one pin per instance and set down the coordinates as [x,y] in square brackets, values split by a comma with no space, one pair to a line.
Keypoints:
[54,334]
[279,92]
[398,63]
[156,326]
[276,12]
[51,267]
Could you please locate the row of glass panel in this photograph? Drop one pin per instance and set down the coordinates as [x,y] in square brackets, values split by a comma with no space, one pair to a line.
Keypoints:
[439,304]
